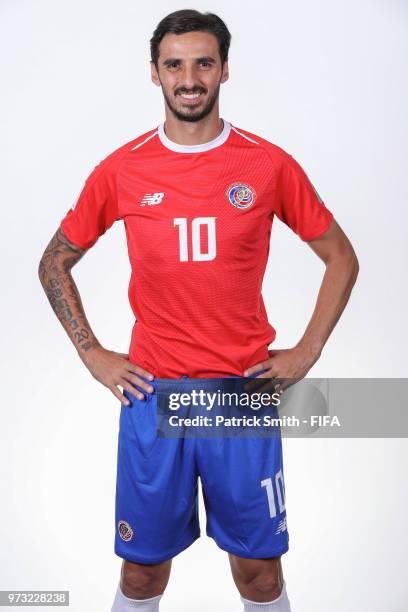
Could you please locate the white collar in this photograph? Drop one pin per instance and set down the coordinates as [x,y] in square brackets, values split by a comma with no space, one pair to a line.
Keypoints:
[197,148]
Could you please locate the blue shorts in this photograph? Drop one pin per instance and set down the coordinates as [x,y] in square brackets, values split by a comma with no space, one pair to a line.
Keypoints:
[156,513]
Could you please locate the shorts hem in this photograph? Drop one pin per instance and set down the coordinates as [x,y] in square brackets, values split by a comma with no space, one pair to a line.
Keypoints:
[162,558]
[277,552]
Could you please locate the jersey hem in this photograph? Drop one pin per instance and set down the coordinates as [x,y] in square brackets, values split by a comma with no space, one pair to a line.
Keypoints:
[321,230]
[74,242]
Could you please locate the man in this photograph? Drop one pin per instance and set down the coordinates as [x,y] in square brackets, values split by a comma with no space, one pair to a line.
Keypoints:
[197,196]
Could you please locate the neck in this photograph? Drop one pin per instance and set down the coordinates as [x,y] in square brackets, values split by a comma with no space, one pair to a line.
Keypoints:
[192,133]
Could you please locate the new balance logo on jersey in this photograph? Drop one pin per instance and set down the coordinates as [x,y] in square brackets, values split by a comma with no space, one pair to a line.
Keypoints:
[152,198]
[282,526]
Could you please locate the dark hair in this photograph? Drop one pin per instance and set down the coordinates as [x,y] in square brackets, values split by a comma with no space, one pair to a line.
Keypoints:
[189,20]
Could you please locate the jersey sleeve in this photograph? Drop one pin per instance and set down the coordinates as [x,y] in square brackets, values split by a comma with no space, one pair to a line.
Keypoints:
[96,208]
[297,202]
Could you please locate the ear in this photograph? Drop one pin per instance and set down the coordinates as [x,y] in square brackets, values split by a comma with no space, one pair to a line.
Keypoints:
[225,72]
[154,74]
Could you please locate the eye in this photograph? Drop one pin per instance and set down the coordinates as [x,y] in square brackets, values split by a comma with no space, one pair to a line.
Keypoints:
[172,65]
[205,64]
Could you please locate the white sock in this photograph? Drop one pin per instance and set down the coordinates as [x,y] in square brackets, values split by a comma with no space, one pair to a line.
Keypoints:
[281,604]
[126,604]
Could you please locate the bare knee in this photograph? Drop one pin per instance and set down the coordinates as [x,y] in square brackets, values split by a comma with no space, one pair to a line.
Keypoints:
[259,580]
[264,587]
[139,581]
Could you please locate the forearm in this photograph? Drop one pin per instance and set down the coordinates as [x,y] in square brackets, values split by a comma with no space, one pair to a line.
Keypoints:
[62,292]
[338,281]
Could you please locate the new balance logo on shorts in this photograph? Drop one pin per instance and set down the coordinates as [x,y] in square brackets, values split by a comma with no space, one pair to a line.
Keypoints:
[152,198]
[282,526]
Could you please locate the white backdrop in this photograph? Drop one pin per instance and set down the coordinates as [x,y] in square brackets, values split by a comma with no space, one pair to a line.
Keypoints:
[325,81]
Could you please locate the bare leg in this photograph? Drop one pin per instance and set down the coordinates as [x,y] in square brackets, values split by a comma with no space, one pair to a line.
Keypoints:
[140,581]
[141,586]
[259,580]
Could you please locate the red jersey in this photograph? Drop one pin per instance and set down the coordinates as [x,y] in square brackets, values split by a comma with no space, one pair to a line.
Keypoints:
[198,221]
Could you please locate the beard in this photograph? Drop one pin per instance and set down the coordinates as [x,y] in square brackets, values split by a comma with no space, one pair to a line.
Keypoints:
[192,114]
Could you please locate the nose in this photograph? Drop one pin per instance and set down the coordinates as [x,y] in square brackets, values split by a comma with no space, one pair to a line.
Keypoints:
[189,78]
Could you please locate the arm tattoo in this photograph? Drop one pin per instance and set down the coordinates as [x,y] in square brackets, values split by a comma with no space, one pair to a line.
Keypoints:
[62,293]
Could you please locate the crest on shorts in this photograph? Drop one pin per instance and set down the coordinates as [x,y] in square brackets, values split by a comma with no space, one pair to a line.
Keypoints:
[240,195]
[125,531]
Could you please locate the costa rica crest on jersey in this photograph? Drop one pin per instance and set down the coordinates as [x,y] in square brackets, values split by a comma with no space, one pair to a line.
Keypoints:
[241,195]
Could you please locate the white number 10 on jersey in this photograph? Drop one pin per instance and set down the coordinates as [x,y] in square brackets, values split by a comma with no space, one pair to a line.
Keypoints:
[195,236]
